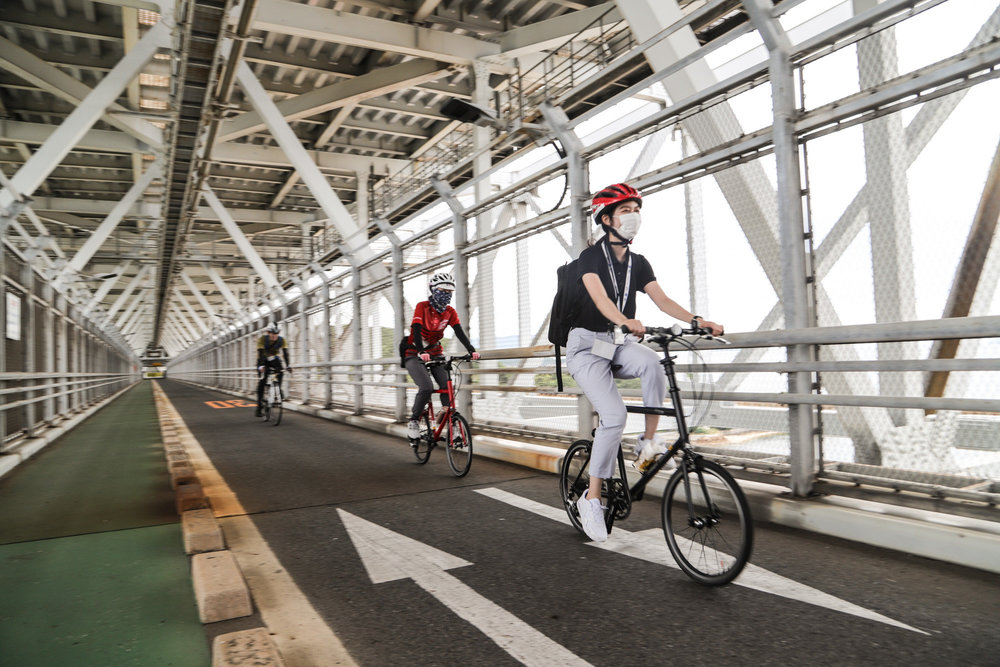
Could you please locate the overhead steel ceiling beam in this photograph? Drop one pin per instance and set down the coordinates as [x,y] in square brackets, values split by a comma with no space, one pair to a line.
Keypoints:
[554,32]
[104,230]
[92,140]
[62,141]
[200,39]
[343,93]
[242,242]
[123,297]
[272,156]
[200,297]
[342,220]
[328,25]
[51,79]
[223,288]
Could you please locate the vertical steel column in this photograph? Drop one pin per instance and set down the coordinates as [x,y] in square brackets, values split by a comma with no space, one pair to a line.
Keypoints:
[792,237]
[460,270]
[888,210]
[356,332]
[579,188]
[398,305]
[694,221]
[482,94]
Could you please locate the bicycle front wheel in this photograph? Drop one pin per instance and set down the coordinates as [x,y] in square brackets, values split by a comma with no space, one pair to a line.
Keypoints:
[460,446]
[574,479]
[276,408]
[706,520]
[422,446]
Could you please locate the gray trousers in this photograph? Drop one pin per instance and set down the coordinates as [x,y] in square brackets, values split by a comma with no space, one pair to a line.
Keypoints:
[422,377]
[595,377]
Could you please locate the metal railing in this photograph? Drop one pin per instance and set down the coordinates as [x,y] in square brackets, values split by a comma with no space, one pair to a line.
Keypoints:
[738,419]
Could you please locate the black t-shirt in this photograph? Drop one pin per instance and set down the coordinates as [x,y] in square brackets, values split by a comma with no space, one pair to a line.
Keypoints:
[593,260]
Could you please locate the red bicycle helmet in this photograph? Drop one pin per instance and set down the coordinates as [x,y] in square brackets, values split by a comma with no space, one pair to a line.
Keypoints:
[610,197]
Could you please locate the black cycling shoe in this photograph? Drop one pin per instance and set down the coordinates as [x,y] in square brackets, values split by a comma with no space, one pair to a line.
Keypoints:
[260,411]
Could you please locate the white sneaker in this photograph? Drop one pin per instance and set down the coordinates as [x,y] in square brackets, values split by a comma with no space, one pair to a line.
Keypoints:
[646,451]
[592,518]
[413,430]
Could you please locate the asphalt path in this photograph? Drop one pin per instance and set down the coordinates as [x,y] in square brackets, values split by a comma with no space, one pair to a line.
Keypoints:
[473,571]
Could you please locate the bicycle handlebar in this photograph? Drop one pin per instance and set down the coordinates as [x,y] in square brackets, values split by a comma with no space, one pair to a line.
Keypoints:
[448,360]
[676,331]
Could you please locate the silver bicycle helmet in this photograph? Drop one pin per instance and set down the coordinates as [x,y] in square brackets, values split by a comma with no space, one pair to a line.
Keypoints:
[441,279]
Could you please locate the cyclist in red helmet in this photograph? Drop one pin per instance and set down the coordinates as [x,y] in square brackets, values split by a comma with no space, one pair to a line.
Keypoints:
[598,351]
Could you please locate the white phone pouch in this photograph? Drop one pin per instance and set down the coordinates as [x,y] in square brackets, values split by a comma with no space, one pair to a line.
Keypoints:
[603,348]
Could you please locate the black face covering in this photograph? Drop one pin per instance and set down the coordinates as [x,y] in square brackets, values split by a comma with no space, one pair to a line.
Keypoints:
[440,298]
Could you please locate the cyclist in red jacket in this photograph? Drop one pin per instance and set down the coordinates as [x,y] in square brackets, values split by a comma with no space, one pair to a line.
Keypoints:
[430,319]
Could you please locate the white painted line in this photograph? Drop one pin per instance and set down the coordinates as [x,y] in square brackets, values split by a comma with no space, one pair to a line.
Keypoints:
[388,556]
[650,545]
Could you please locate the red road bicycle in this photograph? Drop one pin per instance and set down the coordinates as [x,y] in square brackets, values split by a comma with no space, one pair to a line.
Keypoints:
[449,427]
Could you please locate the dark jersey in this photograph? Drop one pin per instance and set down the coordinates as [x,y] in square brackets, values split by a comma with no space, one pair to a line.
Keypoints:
[432,326]
[268,348]
[593,260]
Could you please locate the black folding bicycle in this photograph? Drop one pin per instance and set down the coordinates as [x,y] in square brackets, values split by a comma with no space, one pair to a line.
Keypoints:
[706,518]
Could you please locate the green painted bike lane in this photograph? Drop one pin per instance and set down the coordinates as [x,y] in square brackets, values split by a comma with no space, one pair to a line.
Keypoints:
[92,563]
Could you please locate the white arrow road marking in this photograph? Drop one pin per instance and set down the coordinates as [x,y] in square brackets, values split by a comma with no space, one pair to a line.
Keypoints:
[649,545]
[388,556]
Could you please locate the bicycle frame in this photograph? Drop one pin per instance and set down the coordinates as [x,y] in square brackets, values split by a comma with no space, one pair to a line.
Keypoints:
[271,382]
[623,495]
[636,490]
[449,391]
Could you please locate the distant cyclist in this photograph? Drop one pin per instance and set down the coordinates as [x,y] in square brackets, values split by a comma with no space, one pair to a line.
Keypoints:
[430,319]
[269,347]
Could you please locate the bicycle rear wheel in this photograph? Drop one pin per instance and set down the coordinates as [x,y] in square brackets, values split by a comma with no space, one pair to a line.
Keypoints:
[460,446]
[574,479]
[422,446]
[707,523]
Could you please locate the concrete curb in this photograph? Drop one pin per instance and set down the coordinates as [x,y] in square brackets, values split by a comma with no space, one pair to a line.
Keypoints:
[221,590]
[219,587]
[247,647]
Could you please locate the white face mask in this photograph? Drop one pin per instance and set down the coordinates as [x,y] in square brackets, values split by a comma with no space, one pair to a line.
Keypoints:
[629,225]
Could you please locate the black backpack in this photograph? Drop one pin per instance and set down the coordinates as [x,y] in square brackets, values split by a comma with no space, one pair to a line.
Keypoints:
[566,306]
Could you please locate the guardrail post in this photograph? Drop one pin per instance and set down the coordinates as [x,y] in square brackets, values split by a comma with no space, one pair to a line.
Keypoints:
[327,352]
[792,238]
[28,316]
